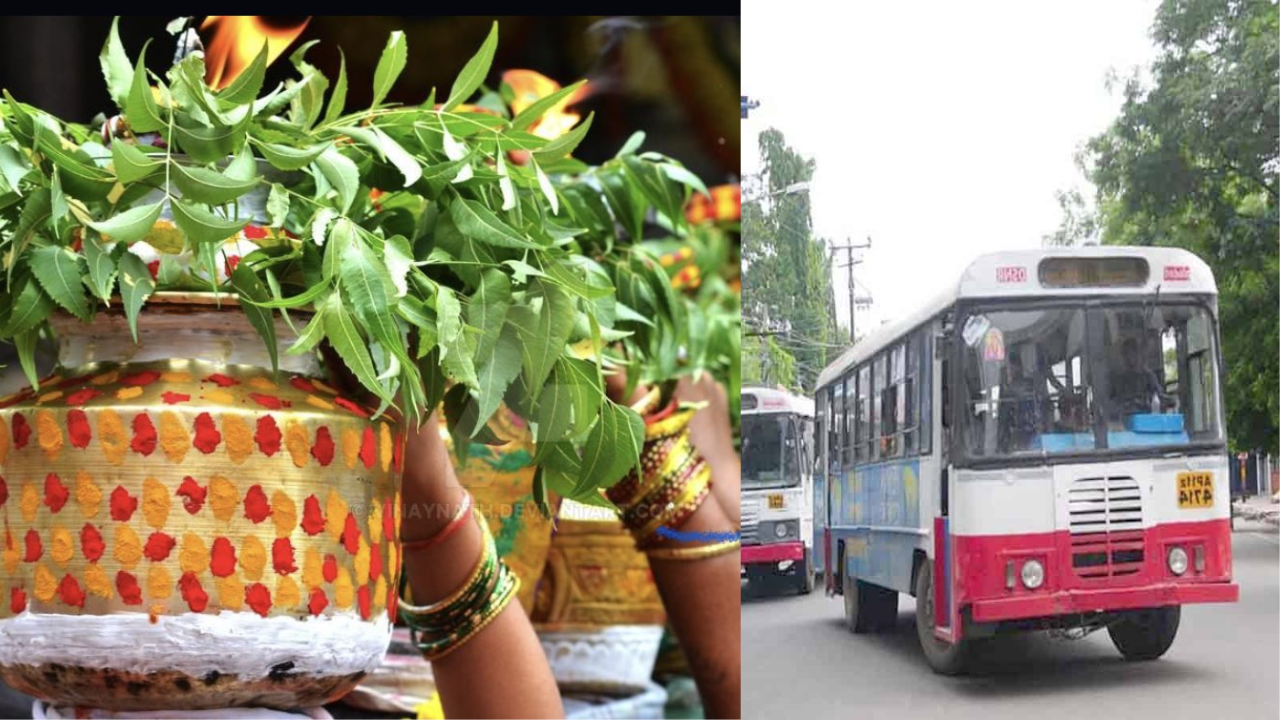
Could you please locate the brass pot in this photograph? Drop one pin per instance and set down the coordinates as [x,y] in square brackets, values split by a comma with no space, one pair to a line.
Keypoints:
[184,530]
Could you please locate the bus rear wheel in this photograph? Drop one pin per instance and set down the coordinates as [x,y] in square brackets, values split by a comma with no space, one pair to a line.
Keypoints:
[943,657]
[867,607]
[1146,634]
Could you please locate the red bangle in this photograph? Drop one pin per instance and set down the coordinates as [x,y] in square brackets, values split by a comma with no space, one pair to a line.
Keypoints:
[662,414]
[464,511]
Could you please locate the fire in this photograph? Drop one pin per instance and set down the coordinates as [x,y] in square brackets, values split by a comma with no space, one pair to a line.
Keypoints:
[529,86]
[237,40]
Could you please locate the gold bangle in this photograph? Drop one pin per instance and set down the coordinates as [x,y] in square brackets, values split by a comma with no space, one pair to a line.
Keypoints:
[695,485]
[700,552]
[646,404]
[670,425]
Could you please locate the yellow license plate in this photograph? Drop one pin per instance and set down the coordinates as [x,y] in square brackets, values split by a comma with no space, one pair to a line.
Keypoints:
[775,502]
[1195,489]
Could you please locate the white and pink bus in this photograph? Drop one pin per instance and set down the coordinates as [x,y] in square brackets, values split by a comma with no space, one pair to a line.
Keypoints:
[1039,447]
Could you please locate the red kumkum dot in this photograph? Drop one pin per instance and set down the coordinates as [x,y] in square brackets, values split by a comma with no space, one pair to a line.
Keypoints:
[330,568]
[4,491]
[127,584]
[207,435]
[91,542]
[17,601]
[122,504]
[153,267]
[268,436]
[34,548]
[21,431]
[70,592]
[158,547]
[192,494]
[368,448]
[222,558]
[351,534]
[254,232]
[347,404]
[392,603]
[375,562]
[322,451]
[302,384]
[317,604]
[256,506]
[222,380]
[140,379]
[78,429]
[144,435]
[173,398]
[259,598]
[197,599]
[55,493]
[282,556]
[80,397]
[270,402]
[312,516]
[363,598]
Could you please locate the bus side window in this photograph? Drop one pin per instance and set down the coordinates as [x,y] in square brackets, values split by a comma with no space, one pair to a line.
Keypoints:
[946,397]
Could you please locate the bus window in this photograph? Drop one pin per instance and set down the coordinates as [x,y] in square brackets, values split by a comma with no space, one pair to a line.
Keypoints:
[907,398]
[864,413]
[925,391]
[883,412]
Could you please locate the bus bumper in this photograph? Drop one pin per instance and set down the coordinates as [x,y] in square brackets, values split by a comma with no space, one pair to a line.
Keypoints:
[774,562]
[1068,602]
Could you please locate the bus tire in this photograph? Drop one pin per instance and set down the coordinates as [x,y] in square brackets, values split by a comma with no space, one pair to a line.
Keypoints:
[867,607]
[806,583]
[1146,634]
[943,657]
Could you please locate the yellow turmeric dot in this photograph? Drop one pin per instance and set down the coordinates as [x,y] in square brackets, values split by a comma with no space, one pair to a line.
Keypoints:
[46,584]
[295,438]
[384,445]
[343,591]
[175,377]
[312,569]
[224,498]
[231,593]
[238,437]
[11,559]
[335,511]
[112,437]
[395,516]
[392,549]
[159,584]
[106,378]
[48,397]
[317,402]
[128,548]
[4,441]
[157,609]
[30,502]
[287,594]
[362,560]
[194,556]
[350,447]
[88,494]
[253,557]
[262,383]
[61,546]
[173,436]
[375,522]
[222,397]
[380,592]
[155,503]
[97,582]
[128,393]
[323,387]
[284,513]
[50,433]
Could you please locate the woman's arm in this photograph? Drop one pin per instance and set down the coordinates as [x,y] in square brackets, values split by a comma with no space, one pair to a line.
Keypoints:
[501,671]
[712,434]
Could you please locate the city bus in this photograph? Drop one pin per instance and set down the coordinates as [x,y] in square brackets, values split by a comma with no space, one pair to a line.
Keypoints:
[1039,447]
[777,490]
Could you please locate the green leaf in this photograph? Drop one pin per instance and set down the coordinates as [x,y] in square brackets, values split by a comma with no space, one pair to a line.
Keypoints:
[568,277]
[586,394]
[346,340]
[549,192]
[338,99]
[342,173]
[211,144]
[14,167]
[307,296]
[59,271]
[433,379]
[545,335]
[247,284]
[497,372]
[477,221]
[455,351]
[30,308]
[201,226]
[116,68]
[390,65]
[311,335]
[488,309]
[683,176]
[278,205]
[554,411]
[632,144]
[542,105]
[136,286]
[285,157]
[308,103]
[102,266]
[398,156]
[140,107]
[207,186]
[367,287]
[399,258]
[540,492]
[474,72]
[57,200]
[131,225]
[248,84]
[131,164]
[566,143]
[613,447]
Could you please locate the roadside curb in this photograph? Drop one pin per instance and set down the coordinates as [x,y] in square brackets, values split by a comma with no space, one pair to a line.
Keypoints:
[1249,511]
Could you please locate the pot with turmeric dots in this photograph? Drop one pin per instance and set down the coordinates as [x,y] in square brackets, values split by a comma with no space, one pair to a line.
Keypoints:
[185,528]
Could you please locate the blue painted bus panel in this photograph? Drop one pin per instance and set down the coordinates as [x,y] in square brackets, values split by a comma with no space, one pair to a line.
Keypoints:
[819,517]
[884,495]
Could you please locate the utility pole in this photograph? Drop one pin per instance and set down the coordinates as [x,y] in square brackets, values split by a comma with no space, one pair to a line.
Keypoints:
[748,105]
[853,302]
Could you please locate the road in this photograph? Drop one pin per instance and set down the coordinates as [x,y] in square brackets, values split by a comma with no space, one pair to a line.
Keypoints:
[799,661]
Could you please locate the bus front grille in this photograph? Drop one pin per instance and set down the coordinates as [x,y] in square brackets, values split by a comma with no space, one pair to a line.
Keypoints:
[750,521]
[1106,527]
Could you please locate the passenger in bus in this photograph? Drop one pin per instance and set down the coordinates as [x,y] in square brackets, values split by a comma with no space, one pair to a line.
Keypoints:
[1020,402]
[1135,389]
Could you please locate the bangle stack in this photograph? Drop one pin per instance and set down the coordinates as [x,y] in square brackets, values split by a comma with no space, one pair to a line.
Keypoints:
[442,627]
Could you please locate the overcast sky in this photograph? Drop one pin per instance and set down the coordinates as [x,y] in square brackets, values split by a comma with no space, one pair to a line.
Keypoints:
[941,130]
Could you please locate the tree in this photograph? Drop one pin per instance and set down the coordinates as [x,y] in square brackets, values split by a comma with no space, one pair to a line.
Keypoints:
[1193,161]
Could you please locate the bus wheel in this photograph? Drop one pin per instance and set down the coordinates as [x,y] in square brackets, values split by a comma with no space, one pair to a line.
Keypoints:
[945,658]
[1146,634]
[868,607]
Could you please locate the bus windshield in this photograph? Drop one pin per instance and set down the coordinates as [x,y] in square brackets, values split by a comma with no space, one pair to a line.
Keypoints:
[770,451]
[1066,378]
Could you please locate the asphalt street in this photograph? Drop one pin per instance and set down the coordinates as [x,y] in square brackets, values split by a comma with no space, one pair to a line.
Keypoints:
[799,661]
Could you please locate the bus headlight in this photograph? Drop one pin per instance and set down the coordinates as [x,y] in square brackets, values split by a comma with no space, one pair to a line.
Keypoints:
[1032,574]
[1177,560]
[785,528]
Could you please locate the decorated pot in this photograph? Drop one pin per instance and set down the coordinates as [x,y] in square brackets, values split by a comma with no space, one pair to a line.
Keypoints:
[597,612]
[500,480]
[184,530]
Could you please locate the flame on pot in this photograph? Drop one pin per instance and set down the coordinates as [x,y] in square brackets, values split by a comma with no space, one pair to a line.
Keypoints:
[529,86]
[237,40]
